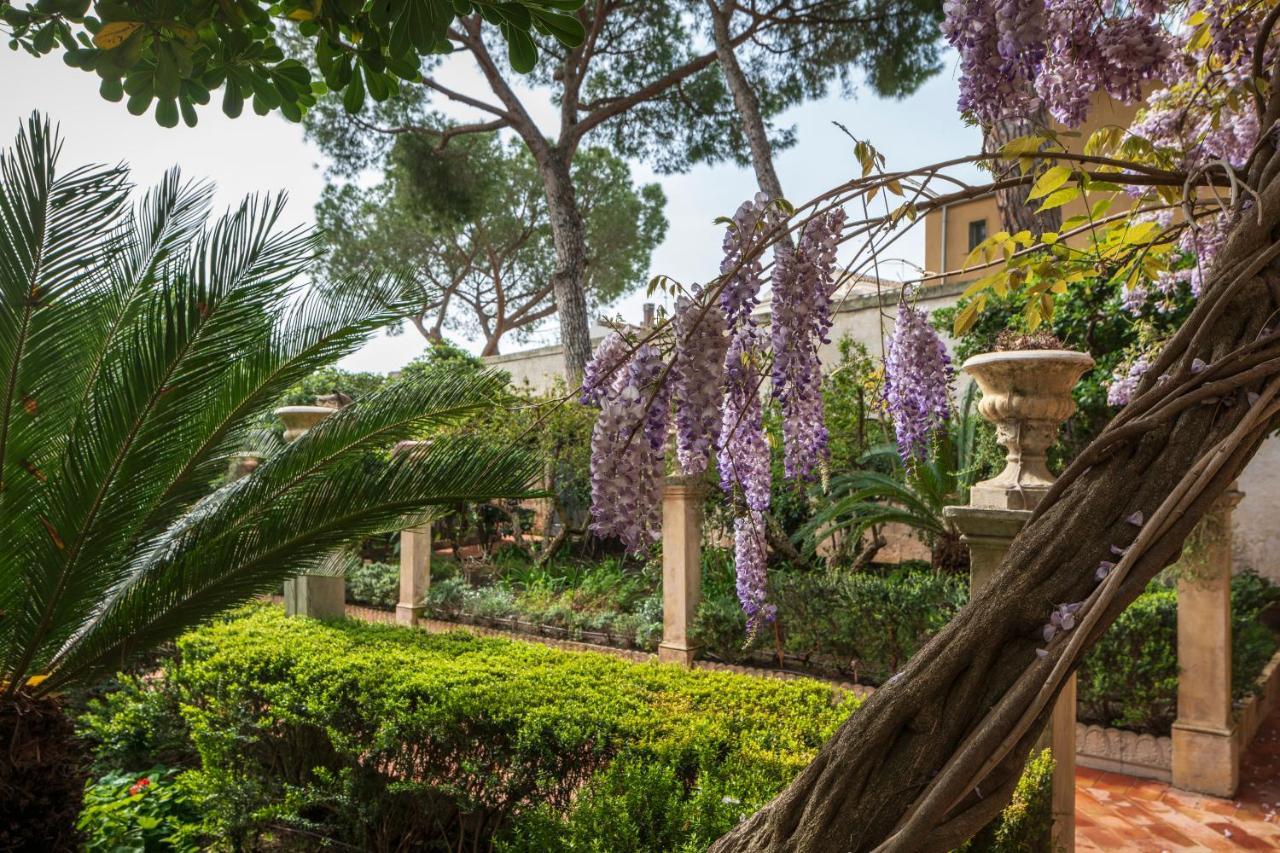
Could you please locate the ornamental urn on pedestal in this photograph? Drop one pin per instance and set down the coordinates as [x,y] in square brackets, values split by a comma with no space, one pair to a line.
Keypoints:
[1027,395]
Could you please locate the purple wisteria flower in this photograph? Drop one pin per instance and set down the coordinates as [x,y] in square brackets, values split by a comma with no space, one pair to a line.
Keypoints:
[741,262]
[627,454]
[749,563]
[606,370]
[1124,382]
[1017,54]
[698,374]
[743,456]
[803,280]
[917,381]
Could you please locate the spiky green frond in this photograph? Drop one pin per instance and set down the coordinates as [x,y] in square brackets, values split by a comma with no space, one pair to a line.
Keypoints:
[138,349]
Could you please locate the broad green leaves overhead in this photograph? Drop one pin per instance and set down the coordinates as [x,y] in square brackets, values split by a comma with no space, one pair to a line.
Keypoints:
[140,347]
[174,55]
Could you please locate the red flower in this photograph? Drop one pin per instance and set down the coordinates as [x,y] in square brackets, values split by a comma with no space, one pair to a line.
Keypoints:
[136,787]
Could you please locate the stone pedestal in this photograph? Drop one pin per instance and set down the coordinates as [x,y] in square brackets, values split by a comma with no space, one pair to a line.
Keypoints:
[317,596]
[1205,743]
[1027,395]
[415,574]
[988,533]
[681,567]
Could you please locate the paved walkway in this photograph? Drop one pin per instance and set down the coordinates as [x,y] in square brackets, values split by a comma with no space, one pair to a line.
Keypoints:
[1113,812]
[1116,812]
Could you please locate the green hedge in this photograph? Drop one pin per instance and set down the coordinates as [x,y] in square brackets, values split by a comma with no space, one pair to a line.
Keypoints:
[384,738]
[858,624]
[1130,678]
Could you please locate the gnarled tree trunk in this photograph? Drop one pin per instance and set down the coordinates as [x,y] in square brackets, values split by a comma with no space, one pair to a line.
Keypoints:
[935,754]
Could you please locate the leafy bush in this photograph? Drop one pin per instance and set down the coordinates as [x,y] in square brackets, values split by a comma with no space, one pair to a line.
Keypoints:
[150,811]
[134,726]
[859,624]
[381,738]
[374,584]
[1026,824]
[1130,678]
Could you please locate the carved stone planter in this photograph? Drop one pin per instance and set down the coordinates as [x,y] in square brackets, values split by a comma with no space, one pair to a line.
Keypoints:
[1027,395]
[299,419]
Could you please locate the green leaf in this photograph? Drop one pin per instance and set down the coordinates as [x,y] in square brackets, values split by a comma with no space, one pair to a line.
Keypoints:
[521,50]
[1059,197]
[353,97]
[1049,180]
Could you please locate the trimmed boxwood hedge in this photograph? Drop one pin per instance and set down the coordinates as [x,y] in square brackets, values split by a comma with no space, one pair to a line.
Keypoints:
[385,738]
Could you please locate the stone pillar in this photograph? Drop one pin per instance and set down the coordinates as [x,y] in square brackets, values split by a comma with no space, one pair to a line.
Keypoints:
[681,566]
[415,573]
[1205,744]
[988,533]
[1027,395]
[317,596]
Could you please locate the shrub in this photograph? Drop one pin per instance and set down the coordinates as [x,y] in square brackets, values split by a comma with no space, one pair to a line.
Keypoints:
[1026,824]
[150,811]
[381,738]
[1130,678]
[374,584]
[859,623]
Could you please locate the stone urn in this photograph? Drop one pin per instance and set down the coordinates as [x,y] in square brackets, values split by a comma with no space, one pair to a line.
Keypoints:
[299,419]
[1027,395]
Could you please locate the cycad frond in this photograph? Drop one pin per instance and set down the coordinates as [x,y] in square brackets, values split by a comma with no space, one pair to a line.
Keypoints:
[136,352]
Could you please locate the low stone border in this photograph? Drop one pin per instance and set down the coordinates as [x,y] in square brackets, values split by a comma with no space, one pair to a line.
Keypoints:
[1123,751]
[1151,757]
[1260,705]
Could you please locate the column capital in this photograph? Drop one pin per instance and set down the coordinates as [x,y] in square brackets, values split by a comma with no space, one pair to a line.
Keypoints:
[979,522]
[680,485]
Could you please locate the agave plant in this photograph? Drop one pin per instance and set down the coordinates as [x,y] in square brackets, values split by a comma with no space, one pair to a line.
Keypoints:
[888,492]
[139,346]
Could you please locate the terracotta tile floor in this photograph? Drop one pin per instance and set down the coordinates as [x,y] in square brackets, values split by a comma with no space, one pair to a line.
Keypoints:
[1123,813]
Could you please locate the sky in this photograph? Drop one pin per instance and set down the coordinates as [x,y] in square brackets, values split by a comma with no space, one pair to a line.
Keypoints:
[256,154]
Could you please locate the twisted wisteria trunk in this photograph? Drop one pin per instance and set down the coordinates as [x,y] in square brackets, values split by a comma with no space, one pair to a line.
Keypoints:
[960,700]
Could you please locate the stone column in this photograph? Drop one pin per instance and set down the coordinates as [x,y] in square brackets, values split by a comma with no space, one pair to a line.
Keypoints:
[415,574]
[1205,744]
[681,566]
[317,596]
[1027,395]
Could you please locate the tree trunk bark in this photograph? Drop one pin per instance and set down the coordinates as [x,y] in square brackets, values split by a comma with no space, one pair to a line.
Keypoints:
[744,99]
[569,235]
[934,754]
[1016,214]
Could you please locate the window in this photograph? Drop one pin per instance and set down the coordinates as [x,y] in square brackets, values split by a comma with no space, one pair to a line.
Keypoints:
[977,233]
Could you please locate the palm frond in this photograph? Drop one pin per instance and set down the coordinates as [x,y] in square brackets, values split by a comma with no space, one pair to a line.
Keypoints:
[202,574]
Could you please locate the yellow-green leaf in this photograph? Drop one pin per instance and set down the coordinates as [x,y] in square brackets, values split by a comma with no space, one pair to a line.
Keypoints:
[1059,197]
[1050,180]
[114,34]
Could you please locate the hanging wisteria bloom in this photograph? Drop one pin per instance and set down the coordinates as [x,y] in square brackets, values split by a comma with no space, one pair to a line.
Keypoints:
[606,369]
[803,280]
[742,264]
[627,454]
[917,381]
[697,374]
[1015,54]
[749,563]
[1124,382]
[743,454]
